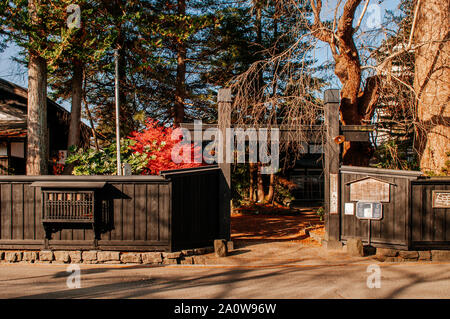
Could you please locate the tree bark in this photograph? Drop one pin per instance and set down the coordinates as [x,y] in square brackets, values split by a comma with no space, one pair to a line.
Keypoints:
[77,97]
[180,86]
[75,112]
[431,83]
[37,134]
[260,185]
[271,192]
[357,106]
[252,183]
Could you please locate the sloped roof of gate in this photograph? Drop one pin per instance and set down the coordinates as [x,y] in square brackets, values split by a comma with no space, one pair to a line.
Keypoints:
[370,177]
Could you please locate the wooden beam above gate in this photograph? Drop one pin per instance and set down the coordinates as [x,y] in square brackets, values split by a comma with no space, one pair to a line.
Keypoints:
[302,133]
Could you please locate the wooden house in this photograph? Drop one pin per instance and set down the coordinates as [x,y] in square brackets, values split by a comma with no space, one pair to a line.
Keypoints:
[13,129]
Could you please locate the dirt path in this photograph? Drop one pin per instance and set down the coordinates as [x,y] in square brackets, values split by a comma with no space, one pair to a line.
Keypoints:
[253,226]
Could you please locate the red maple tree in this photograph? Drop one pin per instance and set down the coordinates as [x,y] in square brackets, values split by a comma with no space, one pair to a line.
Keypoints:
[158,141]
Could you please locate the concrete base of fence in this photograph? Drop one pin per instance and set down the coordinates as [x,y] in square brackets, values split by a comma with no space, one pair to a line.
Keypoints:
[394,255]
[185,257]
[329,244]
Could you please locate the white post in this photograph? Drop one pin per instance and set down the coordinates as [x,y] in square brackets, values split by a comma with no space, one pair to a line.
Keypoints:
[119,163]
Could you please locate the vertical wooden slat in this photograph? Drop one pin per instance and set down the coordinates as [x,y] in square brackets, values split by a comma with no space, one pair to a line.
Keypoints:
[17,211]
[152,209]
[28,212]
[177,210]
[400,206]
[416,211]
[140,211]
[128,212]
[439,222]
[40,233]
[447,220]
[6,211]
[116,233]
[164,212]
[428,215]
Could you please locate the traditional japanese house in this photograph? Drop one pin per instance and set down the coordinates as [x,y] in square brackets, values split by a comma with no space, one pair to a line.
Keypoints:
[13,129]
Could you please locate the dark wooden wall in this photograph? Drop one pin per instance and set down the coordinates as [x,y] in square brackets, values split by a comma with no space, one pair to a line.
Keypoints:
[140,215]
[394,228]
[177,210]
[195,207]
[430,226]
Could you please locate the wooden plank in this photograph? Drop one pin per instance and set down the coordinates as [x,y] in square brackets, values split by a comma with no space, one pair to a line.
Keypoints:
[17,211]
[204,192]
[117,232]
[400,206]
[439,221]
[66,234]
[153,212]
[164,212]
[447,221]
[29,212]
[128,212]
[140,211]
[191,217]
[416,226]
[427,215]
[78,234]
[6,209]
[39,230]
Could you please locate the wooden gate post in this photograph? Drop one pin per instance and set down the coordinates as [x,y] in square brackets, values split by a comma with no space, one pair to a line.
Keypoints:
[332,161]
[224,109]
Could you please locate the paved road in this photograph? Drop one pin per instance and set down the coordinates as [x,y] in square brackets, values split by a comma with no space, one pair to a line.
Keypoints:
[286,280]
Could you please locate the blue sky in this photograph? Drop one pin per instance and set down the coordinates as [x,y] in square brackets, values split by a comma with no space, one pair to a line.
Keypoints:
[13,72]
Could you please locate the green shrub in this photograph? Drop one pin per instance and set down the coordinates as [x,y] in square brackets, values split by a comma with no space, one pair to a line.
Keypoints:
[321,212]
[104,161]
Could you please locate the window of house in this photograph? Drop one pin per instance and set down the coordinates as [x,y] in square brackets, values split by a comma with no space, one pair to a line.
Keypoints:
[3,149]
[18,149]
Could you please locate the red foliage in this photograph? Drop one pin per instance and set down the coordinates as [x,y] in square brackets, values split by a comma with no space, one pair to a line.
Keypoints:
[156,141]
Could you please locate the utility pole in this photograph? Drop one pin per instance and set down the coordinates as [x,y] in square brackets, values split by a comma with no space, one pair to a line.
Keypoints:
[119,163]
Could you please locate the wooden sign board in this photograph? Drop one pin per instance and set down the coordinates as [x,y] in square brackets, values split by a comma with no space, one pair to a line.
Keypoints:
[369,190]
[441,199]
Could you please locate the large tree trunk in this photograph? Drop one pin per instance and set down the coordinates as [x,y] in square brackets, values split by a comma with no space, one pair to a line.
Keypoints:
[271,191]
[75,114]
[431,83]
[180,86]
[260,185]
[357,106]
[252,182]
[37,135]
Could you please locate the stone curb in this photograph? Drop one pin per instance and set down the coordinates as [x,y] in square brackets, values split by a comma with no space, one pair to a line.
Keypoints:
[395,255]
[184,257]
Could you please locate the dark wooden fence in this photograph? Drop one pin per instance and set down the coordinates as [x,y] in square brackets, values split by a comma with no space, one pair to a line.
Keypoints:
[393,228]
[148,213]
[195,207]
[430,221]
[409,220]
